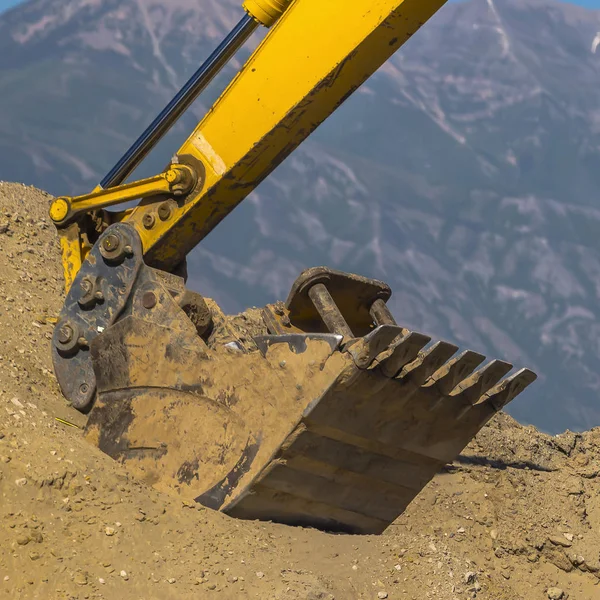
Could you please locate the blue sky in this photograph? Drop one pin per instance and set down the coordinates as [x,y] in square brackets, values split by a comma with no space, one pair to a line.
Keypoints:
[4,4]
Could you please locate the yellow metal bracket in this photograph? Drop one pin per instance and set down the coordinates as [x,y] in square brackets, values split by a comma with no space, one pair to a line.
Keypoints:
[177,180]
[73,252]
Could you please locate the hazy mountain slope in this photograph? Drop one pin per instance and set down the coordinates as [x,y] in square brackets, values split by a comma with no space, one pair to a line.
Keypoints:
[465,173]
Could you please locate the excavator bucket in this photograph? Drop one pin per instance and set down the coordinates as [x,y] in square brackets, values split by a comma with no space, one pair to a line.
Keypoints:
[319,412]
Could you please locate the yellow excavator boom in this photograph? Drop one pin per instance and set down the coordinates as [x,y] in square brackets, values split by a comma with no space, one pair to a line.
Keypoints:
[315,56]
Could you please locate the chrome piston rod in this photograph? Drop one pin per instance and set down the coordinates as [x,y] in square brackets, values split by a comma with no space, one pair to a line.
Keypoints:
[180,103]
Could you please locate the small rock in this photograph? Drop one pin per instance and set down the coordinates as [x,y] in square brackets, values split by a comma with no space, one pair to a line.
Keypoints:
[260,574]
[80,579]
[6,578]
[109,531]
[592,566]
[382,595]
[556,556]
[555,593]
[470,577]
[23,540]
[569,536]
[21,482]
[124,575]
[398,567]
[172,580]
[559,541]
[17,403]
[101,581]
[461,530]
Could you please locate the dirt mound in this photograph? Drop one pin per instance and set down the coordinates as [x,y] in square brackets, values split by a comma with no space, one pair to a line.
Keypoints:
[516,517]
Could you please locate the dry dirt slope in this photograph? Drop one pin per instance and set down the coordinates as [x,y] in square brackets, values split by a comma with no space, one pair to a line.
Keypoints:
[518,517]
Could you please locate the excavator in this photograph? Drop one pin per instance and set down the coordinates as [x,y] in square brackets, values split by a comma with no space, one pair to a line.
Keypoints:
[320,411]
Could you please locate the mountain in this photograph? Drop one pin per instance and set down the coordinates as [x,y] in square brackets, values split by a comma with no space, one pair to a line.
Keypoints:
[464,173]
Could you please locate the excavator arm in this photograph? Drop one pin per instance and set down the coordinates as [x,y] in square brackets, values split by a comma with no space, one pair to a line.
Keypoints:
[314,56]
[320,411]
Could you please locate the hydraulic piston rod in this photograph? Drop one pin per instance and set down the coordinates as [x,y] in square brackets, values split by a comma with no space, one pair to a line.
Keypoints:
[181,102]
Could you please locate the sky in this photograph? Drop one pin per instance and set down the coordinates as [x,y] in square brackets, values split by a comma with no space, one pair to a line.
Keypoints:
[4,4]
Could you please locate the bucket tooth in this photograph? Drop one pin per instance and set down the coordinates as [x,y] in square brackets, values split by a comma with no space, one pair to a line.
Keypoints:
[472,420]
[428,362]
[469,391]
[507,390]
[482,381]
[365,350]
[403,352]
[454,371]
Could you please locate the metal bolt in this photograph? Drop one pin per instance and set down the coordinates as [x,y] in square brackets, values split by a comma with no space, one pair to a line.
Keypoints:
[91,292]
[110,242]
[128,250]
[59,210]
[148,221]
[84,388]
[172,176]
[65,334]
[149,300]
[82,342]
[165,211]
